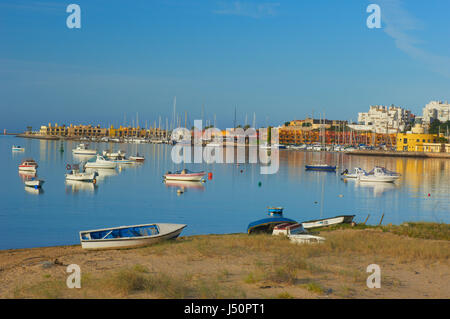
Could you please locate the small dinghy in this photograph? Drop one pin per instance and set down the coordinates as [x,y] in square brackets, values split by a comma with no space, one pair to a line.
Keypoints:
[266,225]
[137,158]
[129,236]
[35,183]
[343,219]
[184,175]
[18,148]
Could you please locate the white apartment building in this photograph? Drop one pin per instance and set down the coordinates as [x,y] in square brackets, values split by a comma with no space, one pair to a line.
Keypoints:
[436,110]
[384,119]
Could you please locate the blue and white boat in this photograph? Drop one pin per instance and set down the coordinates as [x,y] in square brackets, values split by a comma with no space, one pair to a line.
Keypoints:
[321,167]
[266,225]
[17,148]
[129,236]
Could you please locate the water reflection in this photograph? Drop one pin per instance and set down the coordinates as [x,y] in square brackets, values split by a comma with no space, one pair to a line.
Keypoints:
[377,187]
[76,186]
[184,185]
[103,173]
[34,191]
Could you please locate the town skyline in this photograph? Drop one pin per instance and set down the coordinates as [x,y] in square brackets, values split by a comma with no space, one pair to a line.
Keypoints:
[282,61]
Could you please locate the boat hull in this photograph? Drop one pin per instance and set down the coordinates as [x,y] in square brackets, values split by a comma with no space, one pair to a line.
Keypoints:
[84,152]
[320,168]
[344,219]
[27,168]
[378,179]
[34,183]
[196,177]
[167,231]
[82,177]
[267,225]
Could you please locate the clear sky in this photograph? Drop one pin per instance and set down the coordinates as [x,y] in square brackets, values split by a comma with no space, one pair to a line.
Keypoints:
[282,59]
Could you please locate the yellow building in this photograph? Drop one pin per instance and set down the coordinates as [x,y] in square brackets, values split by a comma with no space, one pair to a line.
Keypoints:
[411,142]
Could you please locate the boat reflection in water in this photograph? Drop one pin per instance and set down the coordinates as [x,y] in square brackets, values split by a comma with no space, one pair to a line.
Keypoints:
[103,173]
[82,158]
[183,185]
[24,175]
[34,191]
[378,188]
[77,186]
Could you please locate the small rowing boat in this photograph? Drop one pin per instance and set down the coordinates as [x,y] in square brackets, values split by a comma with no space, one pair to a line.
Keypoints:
[184,175]
[35,183]
[129,236]
[343,219]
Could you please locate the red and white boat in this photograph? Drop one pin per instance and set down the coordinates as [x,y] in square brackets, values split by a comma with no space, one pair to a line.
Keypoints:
[184,175]
[28,165]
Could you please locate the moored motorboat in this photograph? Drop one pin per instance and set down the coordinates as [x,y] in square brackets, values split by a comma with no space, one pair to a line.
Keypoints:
[100,162]
[184,175]
[76,175]
[17,148]
[28,165]
[129,236]
[83,150]
[379,174]
[356,172]
[266,225]
[342,219]
[137,158]
[35,183]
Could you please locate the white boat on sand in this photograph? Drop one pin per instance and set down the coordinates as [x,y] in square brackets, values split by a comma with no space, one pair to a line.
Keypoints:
[100,162]
[306,239]
[83,150]
[343,219]
[129,236]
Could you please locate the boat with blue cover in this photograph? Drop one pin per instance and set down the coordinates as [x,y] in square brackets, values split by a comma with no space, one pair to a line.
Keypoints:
[266,225]
[129,236]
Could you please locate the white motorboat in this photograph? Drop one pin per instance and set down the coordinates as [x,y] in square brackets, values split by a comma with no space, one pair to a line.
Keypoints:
[76,175]
[184,175]
[114,155]
[356,172]
[35,183]
[83,150]
[129,236]
[137,158]
[18,148]
[100,162]
[305,239]
[28,165]
[288,229]
[379,174]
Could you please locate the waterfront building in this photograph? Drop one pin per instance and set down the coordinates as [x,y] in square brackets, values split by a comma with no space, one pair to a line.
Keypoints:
[383,119]
[54,130]
[415,142]
[436,110]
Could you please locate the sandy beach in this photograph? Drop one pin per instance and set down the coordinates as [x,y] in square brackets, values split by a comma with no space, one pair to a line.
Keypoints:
[238,266]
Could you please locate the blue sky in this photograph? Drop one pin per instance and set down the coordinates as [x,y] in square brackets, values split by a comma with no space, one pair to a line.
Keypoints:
[280,59]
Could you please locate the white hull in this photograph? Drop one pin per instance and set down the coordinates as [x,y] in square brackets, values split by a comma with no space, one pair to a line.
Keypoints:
[184,178]
[81,177]
[382,179]
[324,222]
[27,169]
[34,183]
[84,152]
[100,165]
[167,231]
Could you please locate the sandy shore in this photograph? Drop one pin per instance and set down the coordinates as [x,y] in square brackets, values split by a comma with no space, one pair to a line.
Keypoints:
[237,266]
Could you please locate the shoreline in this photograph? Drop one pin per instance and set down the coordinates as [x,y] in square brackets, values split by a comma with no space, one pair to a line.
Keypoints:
[398,154]
[242,266]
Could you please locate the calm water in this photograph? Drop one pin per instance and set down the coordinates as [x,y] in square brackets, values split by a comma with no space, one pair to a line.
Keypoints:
[226,204]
